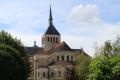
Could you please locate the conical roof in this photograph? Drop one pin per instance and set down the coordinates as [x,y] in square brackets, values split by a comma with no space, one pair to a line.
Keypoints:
[62,47]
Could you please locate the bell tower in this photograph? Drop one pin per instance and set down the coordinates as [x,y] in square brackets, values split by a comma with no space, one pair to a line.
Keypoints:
[51,36]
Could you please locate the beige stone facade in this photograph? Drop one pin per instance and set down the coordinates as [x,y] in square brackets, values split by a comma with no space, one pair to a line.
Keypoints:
[53,65]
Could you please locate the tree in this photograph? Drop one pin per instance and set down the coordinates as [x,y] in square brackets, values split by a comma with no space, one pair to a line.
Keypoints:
[9,63]
[105,68]
[99,69]
[13,57]
[106,65]
[110,48]
[81,69]
[7,39]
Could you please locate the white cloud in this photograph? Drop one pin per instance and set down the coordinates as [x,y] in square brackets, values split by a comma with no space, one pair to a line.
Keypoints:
[84,14]
[25,15]
[89,27]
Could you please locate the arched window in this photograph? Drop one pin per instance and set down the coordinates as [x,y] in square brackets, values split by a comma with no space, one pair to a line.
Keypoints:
[67,58]
[62,58]
[57,58]
[43,74]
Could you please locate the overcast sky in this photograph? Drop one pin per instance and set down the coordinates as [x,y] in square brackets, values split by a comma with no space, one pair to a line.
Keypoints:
[80,22]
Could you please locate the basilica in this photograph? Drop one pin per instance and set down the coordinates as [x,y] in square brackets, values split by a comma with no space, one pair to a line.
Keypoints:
[55,60]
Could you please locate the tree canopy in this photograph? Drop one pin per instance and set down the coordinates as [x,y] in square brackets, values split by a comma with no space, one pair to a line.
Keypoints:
[7,39]
[105,68]
[14,63]
[110,48]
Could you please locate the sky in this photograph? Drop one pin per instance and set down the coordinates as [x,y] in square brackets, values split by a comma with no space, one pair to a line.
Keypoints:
[82,23]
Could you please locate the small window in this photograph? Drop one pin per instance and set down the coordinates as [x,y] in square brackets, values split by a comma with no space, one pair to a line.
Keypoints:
[71,58]
[59,73]
[53,40]
[62,58]
[48,38]
[56,40]
[52,74]
[43,74]
[57,58]
[67,58]
[38,74]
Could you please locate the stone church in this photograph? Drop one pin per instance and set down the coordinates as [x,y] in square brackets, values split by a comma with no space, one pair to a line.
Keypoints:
[55,60]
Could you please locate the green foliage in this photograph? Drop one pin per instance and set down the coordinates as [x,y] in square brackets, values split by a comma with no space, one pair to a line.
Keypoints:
[115,67]
[105,68]
[9,63]
[106,65]
[81,69]
[7,39]
[14,63]
[99,69]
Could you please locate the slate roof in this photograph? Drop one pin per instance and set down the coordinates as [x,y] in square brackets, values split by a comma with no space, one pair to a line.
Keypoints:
[32,50]
[52,30]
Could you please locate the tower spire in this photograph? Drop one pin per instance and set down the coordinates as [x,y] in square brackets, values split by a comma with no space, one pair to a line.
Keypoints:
[51,29]
[52,36]
[50,16]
